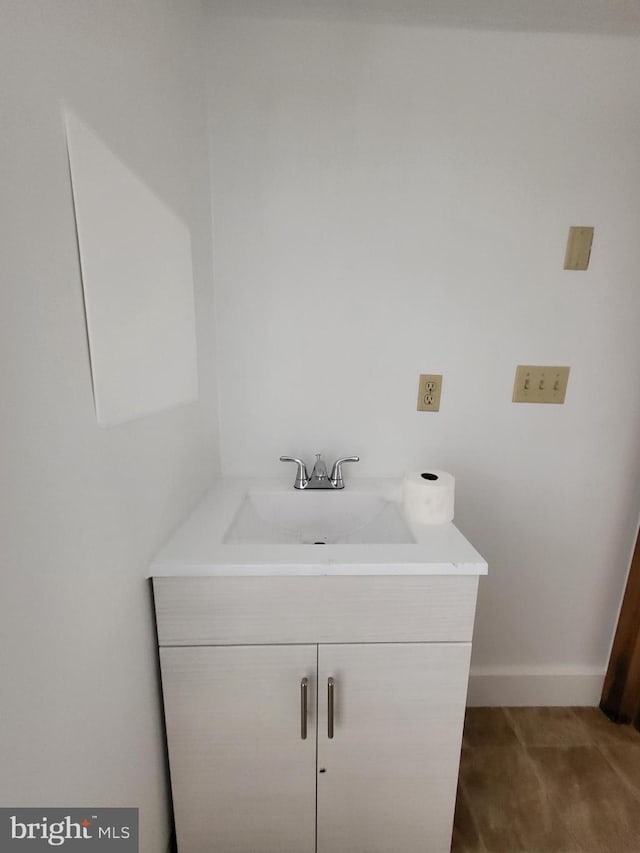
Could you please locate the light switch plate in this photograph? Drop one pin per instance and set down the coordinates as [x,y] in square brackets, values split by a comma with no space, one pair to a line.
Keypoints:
[536,383]
[578,247]
[429,391]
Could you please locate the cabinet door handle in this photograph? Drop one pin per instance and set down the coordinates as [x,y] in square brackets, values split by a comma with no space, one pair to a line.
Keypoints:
[330,691]
[303,709]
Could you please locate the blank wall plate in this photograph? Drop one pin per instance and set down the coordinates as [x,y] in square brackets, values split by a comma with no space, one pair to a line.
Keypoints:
[578,247]
[536,383]
[429,391]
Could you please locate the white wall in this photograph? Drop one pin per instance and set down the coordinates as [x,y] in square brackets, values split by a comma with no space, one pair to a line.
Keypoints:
[391,200]
[83,509]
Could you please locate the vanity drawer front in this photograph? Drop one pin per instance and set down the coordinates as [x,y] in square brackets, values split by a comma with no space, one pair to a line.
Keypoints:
[363,609]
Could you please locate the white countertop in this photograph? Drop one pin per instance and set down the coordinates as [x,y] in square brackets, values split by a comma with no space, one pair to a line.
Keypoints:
[197,548]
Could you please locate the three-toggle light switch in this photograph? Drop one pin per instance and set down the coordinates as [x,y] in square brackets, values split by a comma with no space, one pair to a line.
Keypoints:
[536,383]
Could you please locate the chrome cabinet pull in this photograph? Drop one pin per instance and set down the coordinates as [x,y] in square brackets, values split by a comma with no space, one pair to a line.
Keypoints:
[330,691]
[303,709]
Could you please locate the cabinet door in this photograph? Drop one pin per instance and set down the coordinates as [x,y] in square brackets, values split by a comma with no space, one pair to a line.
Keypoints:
[243,778]
[387,778]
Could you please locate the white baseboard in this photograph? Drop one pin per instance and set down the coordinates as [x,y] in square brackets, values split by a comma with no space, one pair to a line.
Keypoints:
[511,686]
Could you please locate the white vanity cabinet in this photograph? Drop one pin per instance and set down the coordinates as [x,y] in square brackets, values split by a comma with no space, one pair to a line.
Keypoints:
[234,651]
[242,777]
[392,764]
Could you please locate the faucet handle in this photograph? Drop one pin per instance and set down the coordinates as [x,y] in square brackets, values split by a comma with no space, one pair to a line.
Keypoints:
[302,477]
[336,472]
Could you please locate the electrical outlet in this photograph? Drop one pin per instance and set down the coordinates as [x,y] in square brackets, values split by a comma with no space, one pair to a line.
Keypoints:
[429,391]
[540,384]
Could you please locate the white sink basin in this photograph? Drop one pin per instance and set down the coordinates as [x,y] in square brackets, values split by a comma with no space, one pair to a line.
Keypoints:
[317,517]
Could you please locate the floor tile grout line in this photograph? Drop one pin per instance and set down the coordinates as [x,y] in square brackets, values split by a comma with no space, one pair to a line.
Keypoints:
[465,794]
[587,737]
[553,808]
[634,791]
[591,735]
[515,727]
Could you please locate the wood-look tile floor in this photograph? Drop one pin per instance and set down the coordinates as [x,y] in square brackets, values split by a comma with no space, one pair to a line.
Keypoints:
[547,780]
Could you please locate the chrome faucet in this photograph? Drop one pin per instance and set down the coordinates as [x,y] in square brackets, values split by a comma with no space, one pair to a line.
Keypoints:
[319,478]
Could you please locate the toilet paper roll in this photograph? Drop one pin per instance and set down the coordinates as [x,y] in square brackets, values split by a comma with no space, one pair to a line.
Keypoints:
[428,496]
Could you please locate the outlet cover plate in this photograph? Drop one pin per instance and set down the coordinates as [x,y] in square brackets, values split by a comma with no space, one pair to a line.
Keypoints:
[535,383]
[578,247]
[429,391]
